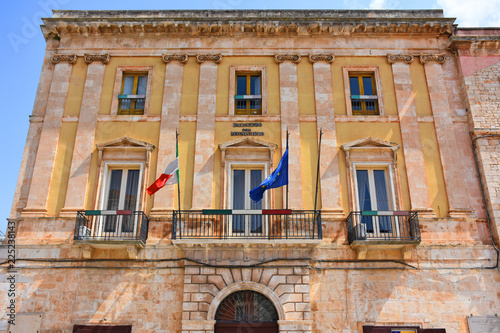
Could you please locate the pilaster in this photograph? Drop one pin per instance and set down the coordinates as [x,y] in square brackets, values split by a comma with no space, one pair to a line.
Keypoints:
[290,122]
[410,133]
[164,199]
[49,137]
[331,198]
[85,134]
[445,132]
[205,132]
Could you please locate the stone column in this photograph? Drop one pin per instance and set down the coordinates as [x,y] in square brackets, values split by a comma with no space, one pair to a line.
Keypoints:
[49,137]
[445,132]
[85,134]
[331,196]
[164,199]
[205,132]
[410,133]
[290,121]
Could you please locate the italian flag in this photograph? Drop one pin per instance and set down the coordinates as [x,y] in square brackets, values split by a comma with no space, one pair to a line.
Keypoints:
[168,177]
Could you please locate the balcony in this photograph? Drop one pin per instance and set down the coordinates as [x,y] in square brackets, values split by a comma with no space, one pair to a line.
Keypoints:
[226,226]
[383,230]
[131,104]
[111,229]
[364,105]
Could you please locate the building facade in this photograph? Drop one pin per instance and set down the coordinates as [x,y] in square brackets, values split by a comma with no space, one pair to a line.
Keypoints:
[390,123]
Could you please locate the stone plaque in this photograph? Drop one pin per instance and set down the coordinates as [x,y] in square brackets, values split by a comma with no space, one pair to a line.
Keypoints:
[26,323]
[484,324]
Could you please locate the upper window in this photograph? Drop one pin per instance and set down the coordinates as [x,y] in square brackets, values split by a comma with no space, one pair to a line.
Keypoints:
[364,100]
[248,98]
[248,90]
[133,93]
[132,90]
[363,91]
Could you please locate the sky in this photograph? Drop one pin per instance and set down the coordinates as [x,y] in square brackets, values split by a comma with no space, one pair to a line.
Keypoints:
[23,48]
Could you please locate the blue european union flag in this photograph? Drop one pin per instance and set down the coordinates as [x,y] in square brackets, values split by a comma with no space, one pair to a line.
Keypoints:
[278,178]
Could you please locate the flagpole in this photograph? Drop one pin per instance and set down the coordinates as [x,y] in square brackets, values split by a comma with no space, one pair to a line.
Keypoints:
[178,180]
[317,171]
[287,135]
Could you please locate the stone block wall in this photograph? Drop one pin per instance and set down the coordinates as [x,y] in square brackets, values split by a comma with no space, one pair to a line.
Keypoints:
[483,92]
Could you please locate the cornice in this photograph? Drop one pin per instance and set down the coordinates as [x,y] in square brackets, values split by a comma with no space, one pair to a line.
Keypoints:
[248,22]
[57,58]
[217,58]
[182,58]
[279,58]
[321,57]
[393,58]
[104,58]
[439,58]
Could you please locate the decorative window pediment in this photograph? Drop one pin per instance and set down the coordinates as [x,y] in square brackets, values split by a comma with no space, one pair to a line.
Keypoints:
[125,148]
[370,142]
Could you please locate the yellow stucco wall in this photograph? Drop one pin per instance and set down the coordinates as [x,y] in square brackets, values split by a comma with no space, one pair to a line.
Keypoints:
[347,132]
[305,85]
[309,163]
[157,83]
[433,169]
[75,89]
[62,167]
[223,71]
[149,131]
[421,94]
[385,74]
[190,86]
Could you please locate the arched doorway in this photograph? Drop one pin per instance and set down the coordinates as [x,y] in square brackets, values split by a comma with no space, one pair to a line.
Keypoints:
[246,311]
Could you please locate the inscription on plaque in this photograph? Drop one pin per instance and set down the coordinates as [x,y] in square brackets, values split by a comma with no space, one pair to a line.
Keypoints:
[246,129]
[484,324]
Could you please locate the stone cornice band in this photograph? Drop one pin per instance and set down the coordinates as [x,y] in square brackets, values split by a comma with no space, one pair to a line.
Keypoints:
[279,58]
[217,58]
[439,58]
[393,58]
[182,58]
[57,58]
[321,57]
[104,58]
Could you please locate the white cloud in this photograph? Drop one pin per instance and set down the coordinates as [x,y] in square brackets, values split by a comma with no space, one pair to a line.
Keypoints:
[378,4]
[472,13]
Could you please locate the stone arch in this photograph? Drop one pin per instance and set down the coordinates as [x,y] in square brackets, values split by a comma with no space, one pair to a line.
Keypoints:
[245,285]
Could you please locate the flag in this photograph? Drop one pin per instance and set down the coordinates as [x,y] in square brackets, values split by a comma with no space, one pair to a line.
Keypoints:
[168,177]
[278,178]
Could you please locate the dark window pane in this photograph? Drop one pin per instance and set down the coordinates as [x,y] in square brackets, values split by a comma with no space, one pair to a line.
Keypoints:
[255,85]
[241,85]
[367,85]
[354,83]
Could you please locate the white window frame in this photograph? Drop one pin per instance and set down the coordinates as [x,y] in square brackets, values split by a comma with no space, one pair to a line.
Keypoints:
[117,165]
[120,71]
[257,69]
[246,166]
[346,70]
[390,183]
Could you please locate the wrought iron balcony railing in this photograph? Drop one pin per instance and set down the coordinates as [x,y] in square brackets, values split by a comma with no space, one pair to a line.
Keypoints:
[364,105]
[131,104]
[398,227]
[247,224]
[109,225]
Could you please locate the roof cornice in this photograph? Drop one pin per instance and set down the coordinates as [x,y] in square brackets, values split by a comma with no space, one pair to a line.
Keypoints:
[247,22]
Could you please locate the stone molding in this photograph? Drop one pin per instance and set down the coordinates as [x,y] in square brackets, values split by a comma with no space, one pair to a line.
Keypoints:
[217,57]
[393,58]
[181,57]
[57,58]
[279,58]
[439,58]
[104,58]
[321,57]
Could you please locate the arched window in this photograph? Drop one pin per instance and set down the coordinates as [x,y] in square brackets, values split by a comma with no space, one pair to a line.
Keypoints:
[248,310]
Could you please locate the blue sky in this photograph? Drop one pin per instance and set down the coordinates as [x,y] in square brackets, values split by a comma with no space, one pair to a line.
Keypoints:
[23,47]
